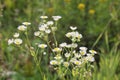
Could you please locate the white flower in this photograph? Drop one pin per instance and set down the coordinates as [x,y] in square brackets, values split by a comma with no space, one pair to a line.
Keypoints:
[77,55]
[56,18]
[66,64]
[50,23]
[26,23]
[16,35]
[63,44]
[73,28]
[18,41]
[58,57]
[57,49]
[67,55]
[22,28]
[74,35]
[83,48]
[78,63]
[68,34]
[43,27]
[73,60]
[37,33]
[93,51]
[74,45]
[43,17]
[42,45]
[53,62]
[90,58]
[10,41]
[48,31]
[83,52]
[44,53]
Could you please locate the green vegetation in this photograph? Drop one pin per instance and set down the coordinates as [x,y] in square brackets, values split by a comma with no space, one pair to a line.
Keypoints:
[97,20]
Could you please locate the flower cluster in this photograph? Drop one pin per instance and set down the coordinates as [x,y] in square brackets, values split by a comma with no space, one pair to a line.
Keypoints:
[63,55]
[16,40]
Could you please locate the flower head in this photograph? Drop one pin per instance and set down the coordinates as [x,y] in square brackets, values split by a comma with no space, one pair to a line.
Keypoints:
[58,57]
[26,23]
[73,28]
[83,48]
[50,23]
[66,64]
[18,41]
[37,33]
[10,41]
[67,55]
[53,62]
[42,46]
[16,35]
[56,18]
[43,17]
[63,44]
[78,63]
[22,28]
[48,31]
[57,49]
[92,51]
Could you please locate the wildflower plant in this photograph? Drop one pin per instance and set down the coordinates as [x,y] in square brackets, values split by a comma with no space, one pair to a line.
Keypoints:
[67,60]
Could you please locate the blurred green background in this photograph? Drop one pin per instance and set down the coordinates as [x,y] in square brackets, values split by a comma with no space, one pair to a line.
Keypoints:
[97,20]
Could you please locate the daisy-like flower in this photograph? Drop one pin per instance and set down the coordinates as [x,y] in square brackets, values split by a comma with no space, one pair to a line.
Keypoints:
[50,23]
[10,41]
[58,57]
[63,44]
[53,62]
[48,31]
[74,35]
[67,55]
[68,34]
[93,51]
[74,45]
[78,63]
[77,35]
[56,18]
[66,64]
[83,48]
[37,33]
[83,52]
[42,46]
[77,55]
[57,49]
[73,28]
[26,23]
[18,41]
[22,28]
[43,17]
[90,58]
[43,27]
[16,35]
